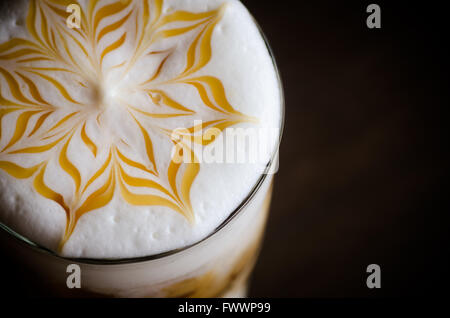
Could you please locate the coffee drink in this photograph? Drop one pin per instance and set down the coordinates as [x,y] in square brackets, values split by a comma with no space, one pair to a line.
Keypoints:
[109,111]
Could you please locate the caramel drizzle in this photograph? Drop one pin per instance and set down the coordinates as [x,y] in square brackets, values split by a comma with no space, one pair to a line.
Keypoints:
[42,128]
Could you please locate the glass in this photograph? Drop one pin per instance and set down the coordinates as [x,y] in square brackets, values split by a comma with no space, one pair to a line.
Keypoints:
[217,266]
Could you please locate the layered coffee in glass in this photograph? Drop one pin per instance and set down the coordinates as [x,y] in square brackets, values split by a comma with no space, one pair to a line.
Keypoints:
[138,144]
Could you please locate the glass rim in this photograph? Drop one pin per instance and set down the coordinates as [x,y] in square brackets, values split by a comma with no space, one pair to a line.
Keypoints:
[245,202]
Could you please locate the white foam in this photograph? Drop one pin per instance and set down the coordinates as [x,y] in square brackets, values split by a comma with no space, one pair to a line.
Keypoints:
[240,60]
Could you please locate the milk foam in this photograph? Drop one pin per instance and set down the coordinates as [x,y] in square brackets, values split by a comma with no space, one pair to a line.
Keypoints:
[119,229]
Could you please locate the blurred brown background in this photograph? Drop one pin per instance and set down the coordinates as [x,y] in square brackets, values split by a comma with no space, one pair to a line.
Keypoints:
[362,166]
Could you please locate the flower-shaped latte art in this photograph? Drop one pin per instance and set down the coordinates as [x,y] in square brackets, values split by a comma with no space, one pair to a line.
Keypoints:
[85,111]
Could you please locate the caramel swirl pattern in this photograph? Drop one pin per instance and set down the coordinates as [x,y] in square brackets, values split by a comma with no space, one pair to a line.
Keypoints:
[62,88]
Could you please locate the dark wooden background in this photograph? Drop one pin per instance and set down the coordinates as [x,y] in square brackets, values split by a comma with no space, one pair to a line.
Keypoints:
[363,158]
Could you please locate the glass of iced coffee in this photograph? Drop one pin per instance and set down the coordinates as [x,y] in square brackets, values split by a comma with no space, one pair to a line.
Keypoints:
[138,143]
